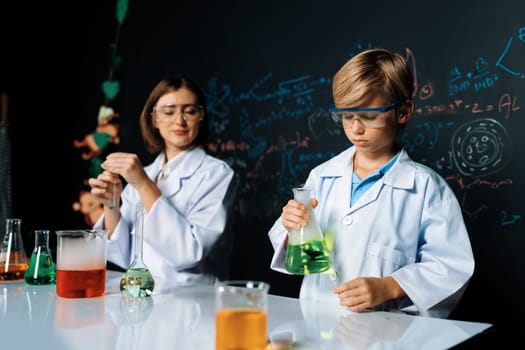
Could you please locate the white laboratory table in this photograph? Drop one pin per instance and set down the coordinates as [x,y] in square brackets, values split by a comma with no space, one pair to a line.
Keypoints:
[183,317]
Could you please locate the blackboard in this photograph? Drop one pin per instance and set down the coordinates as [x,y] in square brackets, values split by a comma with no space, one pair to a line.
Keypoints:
[266,67]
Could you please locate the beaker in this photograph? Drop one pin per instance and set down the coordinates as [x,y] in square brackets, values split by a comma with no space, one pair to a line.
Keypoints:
[13,258]
[240,315]
[41,269]
[306,252]
[81,263]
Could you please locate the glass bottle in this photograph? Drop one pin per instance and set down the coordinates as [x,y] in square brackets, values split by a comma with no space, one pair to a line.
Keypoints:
[137,281]
[306,252]
[41,269]
[13,258]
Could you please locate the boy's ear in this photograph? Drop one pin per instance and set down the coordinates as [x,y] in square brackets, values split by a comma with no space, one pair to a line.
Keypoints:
[406,111]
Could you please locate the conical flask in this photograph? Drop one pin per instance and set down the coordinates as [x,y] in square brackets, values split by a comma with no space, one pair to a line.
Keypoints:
[137,281]
[306,252]
[41,269]
[13,258]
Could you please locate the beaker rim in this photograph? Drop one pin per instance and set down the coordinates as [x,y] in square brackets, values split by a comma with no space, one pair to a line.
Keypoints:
[250,284]
[82,232]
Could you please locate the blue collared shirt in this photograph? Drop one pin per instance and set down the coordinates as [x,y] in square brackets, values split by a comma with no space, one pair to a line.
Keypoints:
[361,186]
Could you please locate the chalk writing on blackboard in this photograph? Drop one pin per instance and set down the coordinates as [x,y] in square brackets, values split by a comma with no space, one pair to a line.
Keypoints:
[510,68]
[274,129]
[481,76]
[508,219]
[480,147]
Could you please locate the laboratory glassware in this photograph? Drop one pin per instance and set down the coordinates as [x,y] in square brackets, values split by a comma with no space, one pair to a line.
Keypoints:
[306,252]
[41,269]
[137,281]
[81,263]
[13,258]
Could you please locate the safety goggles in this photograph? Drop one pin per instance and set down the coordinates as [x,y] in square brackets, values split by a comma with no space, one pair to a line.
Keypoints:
[368,117]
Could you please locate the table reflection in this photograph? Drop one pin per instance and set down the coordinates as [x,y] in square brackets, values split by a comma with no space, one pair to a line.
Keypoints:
[40,302]
[156,322]
[318,328]
[183,317]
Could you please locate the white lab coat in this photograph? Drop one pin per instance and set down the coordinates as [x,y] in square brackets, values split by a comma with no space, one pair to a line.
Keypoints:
[408,225]
[184,225]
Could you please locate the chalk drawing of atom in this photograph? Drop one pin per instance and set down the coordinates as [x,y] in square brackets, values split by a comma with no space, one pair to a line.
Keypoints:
[481,147]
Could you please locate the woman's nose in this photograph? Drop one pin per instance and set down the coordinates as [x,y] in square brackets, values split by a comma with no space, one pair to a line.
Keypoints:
[180,118]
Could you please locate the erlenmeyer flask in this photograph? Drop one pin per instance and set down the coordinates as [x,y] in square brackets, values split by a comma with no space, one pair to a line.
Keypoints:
[137,281]
[306,252]
[41,269]
[13,258]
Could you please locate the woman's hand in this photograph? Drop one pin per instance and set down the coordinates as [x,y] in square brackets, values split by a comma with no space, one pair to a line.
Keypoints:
[106,188]
[128,166]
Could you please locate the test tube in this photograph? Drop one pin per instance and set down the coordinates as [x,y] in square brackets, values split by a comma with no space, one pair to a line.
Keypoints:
[114,197]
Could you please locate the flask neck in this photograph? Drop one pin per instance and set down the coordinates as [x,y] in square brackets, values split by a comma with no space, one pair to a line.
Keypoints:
[12,241]
[13,228]
[42,239]
[303,195]
[139,238]
[310,231]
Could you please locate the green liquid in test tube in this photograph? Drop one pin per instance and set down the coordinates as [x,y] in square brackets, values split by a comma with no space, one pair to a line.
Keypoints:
[114,198]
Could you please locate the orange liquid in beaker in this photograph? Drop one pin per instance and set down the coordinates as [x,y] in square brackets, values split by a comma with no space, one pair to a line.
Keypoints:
[240,329]
[80,283]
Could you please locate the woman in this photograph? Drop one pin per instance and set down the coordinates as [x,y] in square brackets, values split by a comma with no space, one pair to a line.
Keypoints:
[188,195]
[399,239]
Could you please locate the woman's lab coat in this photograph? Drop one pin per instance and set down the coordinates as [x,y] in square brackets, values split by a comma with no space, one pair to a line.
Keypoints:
[184,225]
[408,225]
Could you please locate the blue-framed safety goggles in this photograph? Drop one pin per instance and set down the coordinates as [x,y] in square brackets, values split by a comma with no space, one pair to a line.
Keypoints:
[371,117]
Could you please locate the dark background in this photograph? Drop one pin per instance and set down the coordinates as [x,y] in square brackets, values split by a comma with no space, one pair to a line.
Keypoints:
[266,67]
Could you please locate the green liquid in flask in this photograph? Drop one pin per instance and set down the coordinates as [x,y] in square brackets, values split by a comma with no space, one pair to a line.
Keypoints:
[137,282]
[307,251]
[310,257]
[41,268]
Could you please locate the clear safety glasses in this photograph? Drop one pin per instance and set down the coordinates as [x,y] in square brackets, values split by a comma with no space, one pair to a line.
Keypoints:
[190,112]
